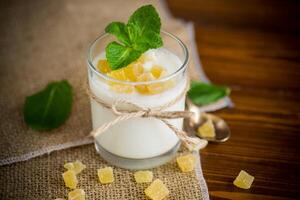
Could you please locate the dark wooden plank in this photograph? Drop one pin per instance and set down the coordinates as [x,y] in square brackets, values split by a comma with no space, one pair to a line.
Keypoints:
[254,47]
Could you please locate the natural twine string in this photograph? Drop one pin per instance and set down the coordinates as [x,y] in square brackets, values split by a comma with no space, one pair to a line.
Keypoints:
[191,143]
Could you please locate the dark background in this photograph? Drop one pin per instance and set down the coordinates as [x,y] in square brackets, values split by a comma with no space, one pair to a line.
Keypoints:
[253,46]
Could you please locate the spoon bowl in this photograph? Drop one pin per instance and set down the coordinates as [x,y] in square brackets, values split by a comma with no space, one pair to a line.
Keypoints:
[199,118]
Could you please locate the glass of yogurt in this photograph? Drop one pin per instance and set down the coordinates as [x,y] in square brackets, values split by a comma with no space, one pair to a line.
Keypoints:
[154,80]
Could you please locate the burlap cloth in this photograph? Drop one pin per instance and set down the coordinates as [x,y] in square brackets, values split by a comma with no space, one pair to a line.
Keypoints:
[46,40]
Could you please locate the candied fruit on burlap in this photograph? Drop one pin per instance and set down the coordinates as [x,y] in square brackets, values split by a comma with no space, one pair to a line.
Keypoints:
[157,190]
[186,163]
[76,166]
[243,180]
[106,175]
[143,176]
[70,179]
[77,194]
[207,130]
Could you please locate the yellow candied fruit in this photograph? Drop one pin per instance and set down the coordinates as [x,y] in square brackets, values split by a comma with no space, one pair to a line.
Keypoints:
[207,130]
[59,199]
[157,71]
[186,163]
[77,194]
[143,89]
[157,190]
[118,74]
[122,88]
[243,180]
[106,175]
[103,66]
[76,166]
[143,176]
[156,88]
[70,179]
[132,71]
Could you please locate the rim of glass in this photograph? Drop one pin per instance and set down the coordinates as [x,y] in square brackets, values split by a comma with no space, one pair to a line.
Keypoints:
[165,78]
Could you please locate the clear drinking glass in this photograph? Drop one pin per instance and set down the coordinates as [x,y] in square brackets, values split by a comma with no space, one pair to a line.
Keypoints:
[137,143]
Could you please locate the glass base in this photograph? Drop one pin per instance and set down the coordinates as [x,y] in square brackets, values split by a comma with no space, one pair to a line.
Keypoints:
[136,164]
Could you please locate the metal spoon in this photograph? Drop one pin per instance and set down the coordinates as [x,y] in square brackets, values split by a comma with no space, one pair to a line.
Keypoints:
[200,117]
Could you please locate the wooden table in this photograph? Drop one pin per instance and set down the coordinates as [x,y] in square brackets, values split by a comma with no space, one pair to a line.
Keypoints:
[254,47]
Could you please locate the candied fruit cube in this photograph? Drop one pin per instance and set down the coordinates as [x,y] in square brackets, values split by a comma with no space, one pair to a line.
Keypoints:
[69,166]
[59,199]
[77,194]
[143,176]
[143,88]
[118,74]
[157,190]
[243,180]
[76,166]
[207,130]
[70,179]
[103,66]
[186,163]
[106,175]
[122,88]
[132,71]
[157,71]
[156,88]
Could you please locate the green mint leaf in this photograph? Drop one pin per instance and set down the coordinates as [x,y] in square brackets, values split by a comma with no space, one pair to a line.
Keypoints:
[141,33]
[142,21]
[118,55]
[118,29]
[50,107]
[204,93]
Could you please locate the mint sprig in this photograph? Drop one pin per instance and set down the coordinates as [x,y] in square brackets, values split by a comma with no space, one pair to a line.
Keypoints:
[205,93]
[50,107]
[141,33]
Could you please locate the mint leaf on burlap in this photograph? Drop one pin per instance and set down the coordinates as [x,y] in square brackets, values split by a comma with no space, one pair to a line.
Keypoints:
[50,107]
[205,93]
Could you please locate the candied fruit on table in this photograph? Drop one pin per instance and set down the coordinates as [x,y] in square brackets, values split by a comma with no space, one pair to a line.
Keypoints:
[207,130]
[157,190]
[76,166]
[143,176]
[106,175]
[243,180]
[186,163]
[77,194]
[70,179]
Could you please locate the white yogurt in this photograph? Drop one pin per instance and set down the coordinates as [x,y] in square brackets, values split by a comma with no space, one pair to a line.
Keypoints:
[139,137]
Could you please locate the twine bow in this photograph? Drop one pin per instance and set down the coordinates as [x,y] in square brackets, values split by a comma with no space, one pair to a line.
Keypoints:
[191,143]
